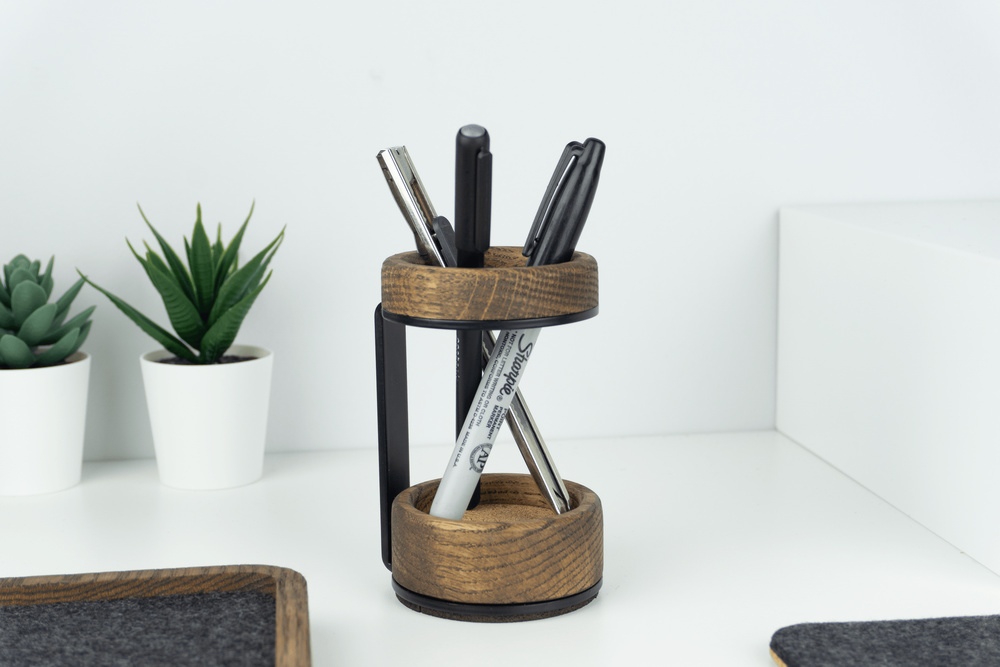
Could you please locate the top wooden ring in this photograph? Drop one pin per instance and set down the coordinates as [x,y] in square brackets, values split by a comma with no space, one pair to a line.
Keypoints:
[504,290]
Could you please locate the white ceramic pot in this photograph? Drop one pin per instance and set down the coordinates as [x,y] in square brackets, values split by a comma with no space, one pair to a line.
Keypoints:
[209,422]
[43,415]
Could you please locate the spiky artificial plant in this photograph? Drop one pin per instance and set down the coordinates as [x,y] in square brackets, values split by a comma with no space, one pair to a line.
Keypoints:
[207,299]
[34,332]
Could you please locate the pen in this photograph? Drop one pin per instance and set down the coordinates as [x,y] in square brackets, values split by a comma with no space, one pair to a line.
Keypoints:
[408,194]
[473,185]
[565,208]
[552,239]
[473,194]
[532,446]
[430,231]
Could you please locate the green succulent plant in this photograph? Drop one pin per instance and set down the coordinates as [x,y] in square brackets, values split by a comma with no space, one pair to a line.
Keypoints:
[208,298]
[34,332]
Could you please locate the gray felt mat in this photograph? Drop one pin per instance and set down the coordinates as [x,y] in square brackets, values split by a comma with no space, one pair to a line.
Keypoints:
[970,641]
[198,629]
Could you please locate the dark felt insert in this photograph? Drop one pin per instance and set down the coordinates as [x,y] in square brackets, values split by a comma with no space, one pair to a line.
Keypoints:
[235,628]
[969,641]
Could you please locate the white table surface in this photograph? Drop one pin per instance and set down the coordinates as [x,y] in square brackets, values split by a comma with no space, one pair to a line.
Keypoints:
[712,542]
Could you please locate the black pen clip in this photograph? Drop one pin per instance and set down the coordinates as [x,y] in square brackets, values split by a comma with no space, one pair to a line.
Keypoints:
[484,199]
[444,237]
[543,218]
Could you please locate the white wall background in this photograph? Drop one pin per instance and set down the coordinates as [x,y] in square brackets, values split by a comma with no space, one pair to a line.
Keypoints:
[715,114]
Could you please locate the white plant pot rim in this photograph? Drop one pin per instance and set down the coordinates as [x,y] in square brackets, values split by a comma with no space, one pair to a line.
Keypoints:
[254,351]
[74,358]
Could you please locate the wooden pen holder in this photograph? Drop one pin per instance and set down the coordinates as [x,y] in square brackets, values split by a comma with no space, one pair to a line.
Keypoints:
[511,557]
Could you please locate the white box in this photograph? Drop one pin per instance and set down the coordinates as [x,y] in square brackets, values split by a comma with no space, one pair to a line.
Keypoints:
[889,356]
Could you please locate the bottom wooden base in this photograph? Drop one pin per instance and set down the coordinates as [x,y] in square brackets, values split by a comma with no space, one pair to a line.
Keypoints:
[494,613]
[510,558]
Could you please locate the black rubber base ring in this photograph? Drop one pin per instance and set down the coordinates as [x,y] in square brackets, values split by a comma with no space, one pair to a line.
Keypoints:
[494,613]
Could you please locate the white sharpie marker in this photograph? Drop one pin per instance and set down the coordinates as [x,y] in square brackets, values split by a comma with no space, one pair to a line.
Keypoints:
[504,371]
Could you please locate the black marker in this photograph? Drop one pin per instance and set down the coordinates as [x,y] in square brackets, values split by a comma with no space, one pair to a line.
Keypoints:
[566,204]
[473,195]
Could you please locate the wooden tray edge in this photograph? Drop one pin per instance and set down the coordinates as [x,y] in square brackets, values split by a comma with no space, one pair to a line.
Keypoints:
[286,586]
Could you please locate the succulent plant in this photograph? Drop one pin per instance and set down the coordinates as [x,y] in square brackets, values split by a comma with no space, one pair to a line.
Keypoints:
[34,332]
[208,298]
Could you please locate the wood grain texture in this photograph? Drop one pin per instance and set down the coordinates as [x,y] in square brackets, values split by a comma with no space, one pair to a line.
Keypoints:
[287,587]
[505,289]
[511,549]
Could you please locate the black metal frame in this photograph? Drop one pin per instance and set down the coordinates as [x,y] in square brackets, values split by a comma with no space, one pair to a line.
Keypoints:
[394,453]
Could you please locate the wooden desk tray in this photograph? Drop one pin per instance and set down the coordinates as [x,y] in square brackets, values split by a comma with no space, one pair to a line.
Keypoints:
[133,609]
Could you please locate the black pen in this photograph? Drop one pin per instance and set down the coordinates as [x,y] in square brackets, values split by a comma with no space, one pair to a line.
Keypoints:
[473,195]
[566,204]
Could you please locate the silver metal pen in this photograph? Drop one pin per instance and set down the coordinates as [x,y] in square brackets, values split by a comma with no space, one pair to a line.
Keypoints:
[525,431]
[408,191]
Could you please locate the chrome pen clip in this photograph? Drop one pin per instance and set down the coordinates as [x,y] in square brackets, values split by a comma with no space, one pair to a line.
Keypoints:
[433,233]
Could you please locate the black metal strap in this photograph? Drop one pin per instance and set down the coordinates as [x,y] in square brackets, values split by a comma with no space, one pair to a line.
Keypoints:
[393,421]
